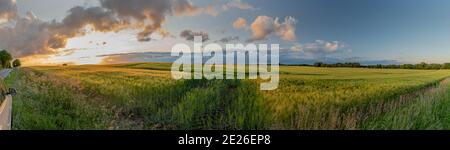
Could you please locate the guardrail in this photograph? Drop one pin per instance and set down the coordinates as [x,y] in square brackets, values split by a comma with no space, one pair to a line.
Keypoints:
[5,113]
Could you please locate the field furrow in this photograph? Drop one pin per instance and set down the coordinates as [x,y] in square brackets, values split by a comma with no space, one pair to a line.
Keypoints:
[143,96]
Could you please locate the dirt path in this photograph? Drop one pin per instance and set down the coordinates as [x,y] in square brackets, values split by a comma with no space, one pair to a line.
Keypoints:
[5,106]
[4,73]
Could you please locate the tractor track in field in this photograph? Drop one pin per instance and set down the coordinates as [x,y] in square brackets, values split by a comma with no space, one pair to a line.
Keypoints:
[429,89]
[407,98]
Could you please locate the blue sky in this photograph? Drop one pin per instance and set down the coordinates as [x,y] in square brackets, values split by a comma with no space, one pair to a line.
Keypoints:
[403,30]
[371,31]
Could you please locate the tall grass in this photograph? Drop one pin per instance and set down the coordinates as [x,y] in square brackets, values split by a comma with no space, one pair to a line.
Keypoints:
[135,102]
[143,96]
[342,98]
[50,103]
[428,111]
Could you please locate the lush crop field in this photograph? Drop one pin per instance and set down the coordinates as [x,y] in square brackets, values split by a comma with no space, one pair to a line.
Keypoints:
[143,96]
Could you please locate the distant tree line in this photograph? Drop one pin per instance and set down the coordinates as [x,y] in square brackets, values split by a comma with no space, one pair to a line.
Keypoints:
[7,61]
[423,65]
[347,64]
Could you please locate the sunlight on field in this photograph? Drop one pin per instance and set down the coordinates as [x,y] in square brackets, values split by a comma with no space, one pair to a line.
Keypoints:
[144,96]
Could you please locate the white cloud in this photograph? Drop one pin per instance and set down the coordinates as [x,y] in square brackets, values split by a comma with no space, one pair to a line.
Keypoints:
[237,4]
[320,48]
[297,47]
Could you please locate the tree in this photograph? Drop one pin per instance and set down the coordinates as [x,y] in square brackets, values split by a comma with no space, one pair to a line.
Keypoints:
[5,59]
[318,64]
[446,66]
[422,65]
[16,63]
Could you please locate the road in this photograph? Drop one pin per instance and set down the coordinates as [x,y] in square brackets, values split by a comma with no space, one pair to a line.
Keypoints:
[5,106]
[4,73]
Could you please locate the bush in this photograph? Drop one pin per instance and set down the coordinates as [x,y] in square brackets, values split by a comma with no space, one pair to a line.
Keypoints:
[16,63]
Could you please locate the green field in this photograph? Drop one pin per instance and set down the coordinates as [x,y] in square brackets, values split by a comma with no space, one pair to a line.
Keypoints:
[144,96]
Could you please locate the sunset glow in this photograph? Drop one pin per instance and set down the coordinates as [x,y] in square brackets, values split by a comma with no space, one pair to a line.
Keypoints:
[89,32]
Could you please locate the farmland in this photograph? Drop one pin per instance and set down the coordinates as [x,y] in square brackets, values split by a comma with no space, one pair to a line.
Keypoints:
[144,96]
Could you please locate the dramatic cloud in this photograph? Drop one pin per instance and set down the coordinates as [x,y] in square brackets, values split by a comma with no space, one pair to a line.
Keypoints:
[264,26]
[150,14]
[96,17]
[189,35]
[8,9]
[237,4]
[28,35]
[240,23]
[31,36]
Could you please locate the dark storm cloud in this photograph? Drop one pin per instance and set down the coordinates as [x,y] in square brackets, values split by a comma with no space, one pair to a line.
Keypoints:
[189,35]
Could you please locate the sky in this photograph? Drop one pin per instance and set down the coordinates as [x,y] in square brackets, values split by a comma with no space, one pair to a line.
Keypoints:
[43,32]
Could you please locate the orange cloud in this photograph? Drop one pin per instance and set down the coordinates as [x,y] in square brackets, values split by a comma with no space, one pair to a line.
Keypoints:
[211,11]
[264,26]
[28,35]
[240,23]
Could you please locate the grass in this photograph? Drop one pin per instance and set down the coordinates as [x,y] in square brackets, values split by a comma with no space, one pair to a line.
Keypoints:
[429,111]
[342,98]
[44,102]
[143,96]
